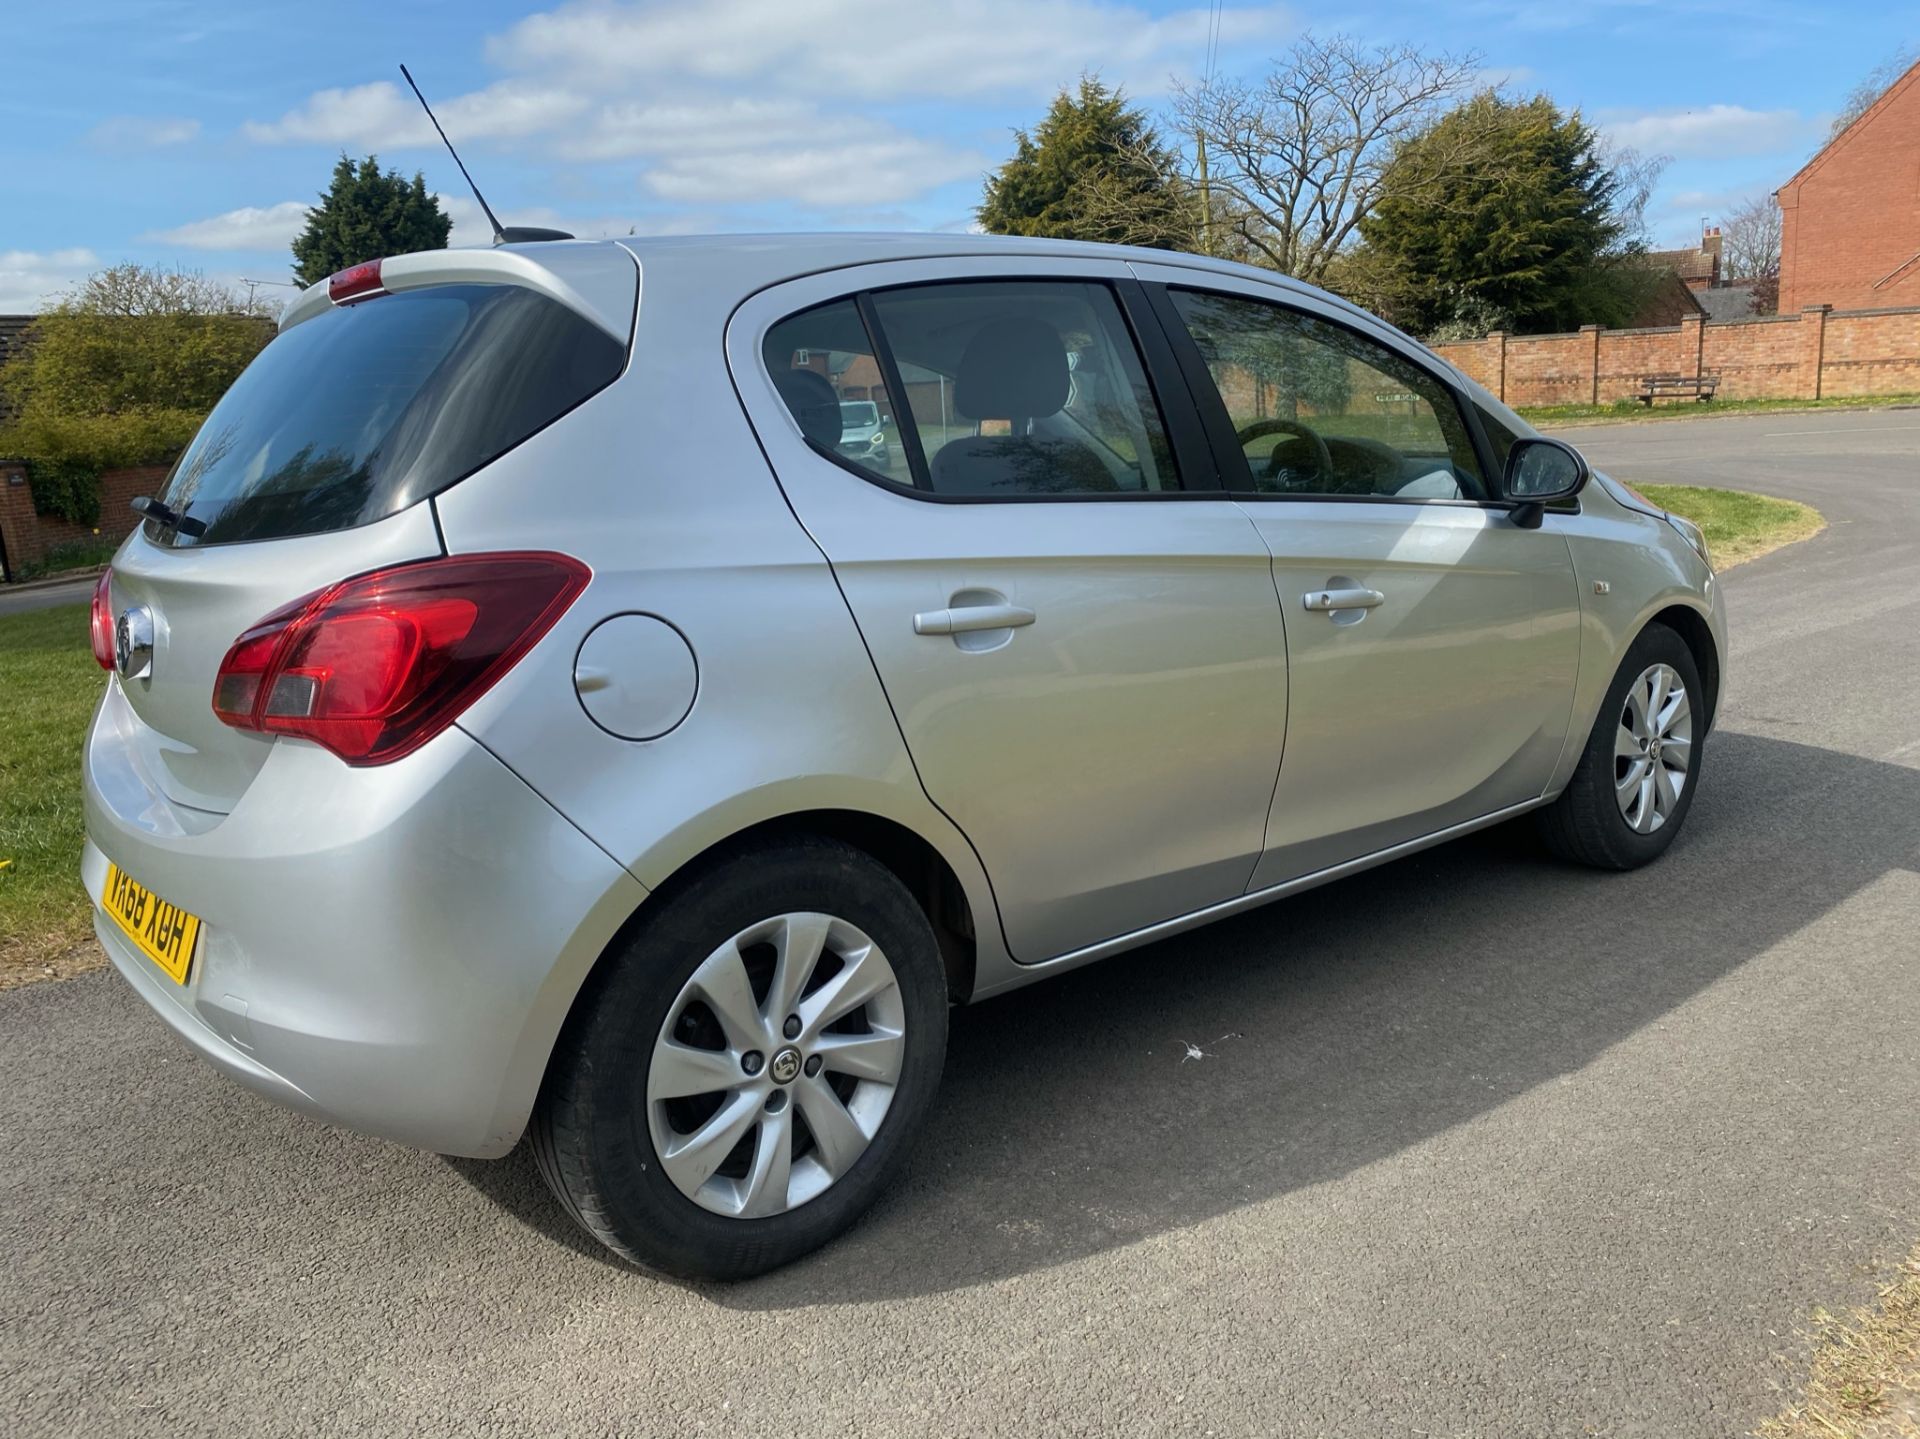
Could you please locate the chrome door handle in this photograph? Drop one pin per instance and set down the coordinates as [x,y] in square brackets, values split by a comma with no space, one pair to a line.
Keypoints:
[971,617]
[1356,599]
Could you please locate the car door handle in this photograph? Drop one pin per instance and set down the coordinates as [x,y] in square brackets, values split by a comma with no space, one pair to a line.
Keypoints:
[971,617]
[1354,599]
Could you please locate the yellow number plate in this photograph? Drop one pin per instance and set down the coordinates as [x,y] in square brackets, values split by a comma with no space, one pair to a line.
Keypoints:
[164,933]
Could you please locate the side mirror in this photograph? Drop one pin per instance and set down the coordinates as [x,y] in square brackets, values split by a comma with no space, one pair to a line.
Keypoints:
[1539,472]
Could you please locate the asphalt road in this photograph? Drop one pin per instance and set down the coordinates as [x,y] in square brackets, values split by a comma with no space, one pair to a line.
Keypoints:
[40,597]
[1480,1145]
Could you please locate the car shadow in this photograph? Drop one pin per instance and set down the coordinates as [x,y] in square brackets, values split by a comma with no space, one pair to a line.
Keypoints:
[1293,1045]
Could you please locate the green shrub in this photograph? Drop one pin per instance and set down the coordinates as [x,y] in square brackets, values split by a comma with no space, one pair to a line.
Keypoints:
[67,489]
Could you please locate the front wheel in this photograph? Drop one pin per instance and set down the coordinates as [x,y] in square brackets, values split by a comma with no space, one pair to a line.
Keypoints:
[748,1072]
[1635,781]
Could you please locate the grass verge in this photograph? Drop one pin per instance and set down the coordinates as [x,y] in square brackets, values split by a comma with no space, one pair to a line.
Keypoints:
[1739,526]
[1698,410]
[1865,1379]
[48,687]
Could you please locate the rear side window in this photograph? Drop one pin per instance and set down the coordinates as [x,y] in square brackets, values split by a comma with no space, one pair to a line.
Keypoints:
[824,368]
[367,409]
[1006,389]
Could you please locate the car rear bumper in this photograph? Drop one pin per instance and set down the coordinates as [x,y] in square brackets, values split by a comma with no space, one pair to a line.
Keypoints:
[393,949]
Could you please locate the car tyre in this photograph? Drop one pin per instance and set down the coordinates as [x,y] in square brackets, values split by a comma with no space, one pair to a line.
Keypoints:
[1622,808]
[600,1126]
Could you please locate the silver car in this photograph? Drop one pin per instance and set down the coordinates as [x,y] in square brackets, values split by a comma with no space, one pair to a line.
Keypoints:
[530,720]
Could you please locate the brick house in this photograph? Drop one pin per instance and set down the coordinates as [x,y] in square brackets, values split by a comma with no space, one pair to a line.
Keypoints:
[1850,219]
[1698,268]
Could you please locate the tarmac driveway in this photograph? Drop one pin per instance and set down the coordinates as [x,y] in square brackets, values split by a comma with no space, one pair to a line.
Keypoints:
[1479,1144]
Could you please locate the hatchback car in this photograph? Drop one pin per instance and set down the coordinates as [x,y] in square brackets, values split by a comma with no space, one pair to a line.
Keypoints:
[529,719]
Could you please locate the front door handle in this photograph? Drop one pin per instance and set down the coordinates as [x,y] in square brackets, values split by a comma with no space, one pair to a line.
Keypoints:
[1354,599]
[971,617]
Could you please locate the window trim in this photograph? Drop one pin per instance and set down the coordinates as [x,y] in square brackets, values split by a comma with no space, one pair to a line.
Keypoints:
[1231,459]
[1193,457]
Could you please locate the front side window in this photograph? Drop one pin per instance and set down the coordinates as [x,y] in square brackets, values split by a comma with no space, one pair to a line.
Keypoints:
[1318,409]
[1022,388]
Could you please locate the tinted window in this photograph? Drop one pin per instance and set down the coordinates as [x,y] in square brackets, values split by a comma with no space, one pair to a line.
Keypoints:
[1321,410]
[1026,387]
[366,409]
[825,370]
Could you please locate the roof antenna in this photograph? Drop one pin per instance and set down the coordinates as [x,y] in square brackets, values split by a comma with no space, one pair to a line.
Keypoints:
[508,235]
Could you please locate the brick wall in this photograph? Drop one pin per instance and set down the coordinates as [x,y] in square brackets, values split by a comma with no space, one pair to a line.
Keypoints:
[1804,356]
[1850,220]
[29,538]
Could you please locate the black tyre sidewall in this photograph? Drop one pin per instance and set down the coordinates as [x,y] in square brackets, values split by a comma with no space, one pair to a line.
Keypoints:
[595,1115]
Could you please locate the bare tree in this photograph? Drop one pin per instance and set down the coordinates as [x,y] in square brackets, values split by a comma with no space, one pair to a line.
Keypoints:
[1294,163]
[1750,240]
[1860,99]
[157,290]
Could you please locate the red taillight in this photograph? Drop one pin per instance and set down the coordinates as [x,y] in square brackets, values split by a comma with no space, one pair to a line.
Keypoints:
[374,667]
[103,621]
[356,282]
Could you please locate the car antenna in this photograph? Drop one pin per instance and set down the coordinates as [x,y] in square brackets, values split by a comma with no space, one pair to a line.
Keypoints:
[507,235]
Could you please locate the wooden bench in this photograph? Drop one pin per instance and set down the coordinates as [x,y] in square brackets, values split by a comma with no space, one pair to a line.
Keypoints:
[1698,387]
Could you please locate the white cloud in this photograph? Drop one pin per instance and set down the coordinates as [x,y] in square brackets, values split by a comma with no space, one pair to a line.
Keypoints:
[143,132]
[845,48]
[271,227]
[737,102]
[621,130]
[384,115]
[859,172]
[31,279]
[1715,131]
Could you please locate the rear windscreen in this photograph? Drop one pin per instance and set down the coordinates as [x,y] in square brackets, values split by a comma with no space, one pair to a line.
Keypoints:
[366,409]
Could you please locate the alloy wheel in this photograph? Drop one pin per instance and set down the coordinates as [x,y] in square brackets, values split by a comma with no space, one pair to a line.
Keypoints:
[776,1065]
[1653,749]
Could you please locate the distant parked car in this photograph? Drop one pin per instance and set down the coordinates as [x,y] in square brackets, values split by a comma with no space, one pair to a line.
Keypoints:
[506,741]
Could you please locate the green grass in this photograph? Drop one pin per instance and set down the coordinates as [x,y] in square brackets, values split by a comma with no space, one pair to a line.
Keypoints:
[1739,526]
[48,687]
[1700,410]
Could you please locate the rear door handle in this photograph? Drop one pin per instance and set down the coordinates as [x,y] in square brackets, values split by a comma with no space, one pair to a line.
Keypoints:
[971,617]
[1354,599]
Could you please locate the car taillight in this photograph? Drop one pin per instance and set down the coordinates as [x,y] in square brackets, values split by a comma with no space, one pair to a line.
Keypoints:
[103,621]
[374,667]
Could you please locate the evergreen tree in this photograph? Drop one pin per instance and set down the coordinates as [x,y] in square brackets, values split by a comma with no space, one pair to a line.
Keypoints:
[1093,169]
[1538,227]
[366,214]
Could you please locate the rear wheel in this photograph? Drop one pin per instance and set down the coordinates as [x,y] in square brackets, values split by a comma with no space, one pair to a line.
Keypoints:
[748,1072]
[1634,783]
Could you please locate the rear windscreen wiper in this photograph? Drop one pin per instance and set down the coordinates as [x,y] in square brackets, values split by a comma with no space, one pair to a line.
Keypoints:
[163,514]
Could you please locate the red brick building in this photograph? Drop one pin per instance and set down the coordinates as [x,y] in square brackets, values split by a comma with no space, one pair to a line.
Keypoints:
[1850,220]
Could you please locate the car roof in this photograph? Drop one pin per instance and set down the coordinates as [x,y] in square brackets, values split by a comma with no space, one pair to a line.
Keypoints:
[766,259]
[734,266]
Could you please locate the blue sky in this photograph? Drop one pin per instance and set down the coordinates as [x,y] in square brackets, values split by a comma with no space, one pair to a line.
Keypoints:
[183,132]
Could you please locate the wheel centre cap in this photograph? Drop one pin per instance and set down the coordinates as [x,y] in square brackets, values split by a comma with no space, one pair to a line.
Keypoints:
[786,1066]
